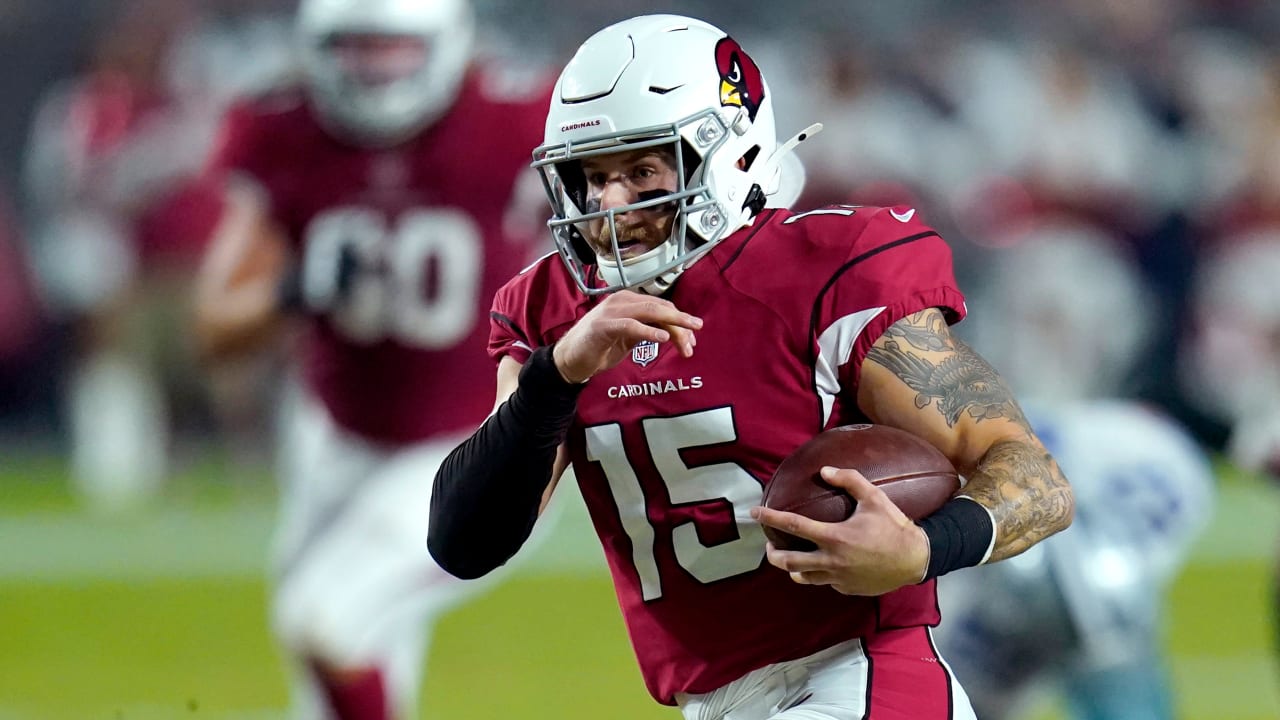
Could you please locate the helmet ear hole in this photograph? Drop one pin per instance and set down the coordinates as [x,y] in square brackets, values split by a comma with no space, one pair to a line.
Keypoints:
[755,201]
[585,254]
[749,157]
[691,160]
[575,182]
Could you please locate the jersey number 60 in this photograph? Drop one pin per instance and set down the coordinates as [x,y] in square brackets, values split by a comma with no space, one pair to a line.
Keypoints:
[415,281]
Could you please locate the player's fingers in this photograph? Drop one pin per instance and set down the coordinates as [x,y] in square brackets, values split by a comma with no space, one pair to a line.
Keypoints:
[659,323]
[863,491]
[656,311]
[682,338]
[799,561]
[799,525]
[633,331]
[850,480]
[819,577]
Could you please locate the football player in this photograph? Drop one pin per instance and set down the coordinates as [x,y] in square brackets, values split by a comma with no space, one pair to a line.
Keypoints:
[686,339]
[117,221]
[367,207]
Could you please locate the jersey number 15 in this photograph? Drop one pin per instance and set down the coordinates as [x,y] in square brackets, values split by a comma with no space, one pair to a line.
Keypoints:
[718,483]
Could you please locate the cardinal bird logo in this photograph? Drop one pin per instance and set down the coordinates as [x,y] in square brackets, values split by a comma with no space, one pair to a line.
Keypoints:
[740,80]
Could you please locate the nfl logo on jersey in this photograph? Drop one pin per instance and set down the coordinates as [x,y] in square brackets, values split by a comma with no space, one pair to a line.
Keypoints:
[644,353]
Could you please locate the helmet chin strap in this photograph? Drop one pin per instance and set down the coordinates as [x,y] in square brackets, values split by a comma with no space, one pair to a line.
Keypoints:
[611,271]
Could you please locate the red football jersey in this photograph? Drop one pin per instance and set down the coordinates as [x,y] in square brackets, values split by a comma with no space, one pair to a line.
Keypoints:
[399,356]
[671,453]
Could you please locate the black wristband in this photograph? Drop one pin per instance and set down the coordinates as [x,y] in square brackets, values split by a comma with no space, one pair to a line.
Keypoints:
[545,397]
[960,535]
[487,492]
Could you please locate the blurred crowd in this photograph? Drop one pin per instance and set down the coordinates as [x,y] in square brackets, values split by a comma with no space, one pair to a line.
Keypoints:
[1108,174]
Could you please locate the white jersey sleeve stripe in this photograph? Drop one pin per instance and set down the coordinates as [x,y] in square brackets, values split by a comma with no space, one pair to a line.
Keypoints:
[835,345]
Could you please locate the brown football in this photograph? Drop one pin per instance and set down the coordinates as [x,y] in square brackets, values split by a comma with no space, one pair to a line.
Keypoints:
[915,475]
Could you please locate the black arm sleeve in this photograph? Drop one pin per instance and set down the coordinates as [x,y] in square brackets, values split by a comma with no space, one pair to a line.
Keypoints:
[487,492]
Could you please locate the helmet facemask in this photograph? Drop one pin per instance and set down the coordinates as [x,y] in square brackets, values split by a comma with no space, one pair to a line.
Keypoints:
[698,221]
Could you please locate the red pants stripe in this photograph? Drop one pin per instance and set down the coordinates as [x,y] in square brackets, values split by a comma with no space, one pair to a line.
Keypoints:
[906,678]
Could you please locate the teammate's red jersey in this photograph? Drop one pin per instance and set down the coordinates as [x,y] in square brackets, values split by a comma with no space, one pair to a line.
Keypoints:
[399,357]
[671,452]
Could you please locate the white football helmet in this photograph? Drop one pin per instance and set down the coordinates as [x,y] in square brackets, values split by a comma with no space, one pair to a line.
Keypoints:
[650,81]
[389,112]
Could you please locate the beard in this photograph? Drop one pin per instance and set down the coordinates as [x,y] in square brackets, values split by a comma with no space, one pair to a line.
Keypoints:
[633,238]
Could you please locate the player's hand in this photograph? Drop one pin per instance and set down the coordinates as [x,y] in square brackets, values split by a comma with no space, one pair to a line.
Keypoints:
[877,550]
[606,334]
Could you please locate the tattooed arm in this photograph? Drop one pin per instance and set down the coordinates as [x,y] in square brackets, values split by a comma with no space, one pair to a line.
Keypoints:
[919,378]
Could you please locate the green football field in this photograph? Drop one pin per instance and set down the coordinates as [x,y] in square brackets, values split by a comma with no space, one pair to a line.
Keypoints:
[161,615]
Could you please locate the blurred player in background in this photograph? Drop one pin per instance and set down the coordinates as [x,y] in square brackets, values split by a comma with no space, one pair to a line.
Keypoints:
[1230,359]
[21,321]
[118,221]
[1231,356]
[660,161]
[367,210]
[1082,613]
[1042,302]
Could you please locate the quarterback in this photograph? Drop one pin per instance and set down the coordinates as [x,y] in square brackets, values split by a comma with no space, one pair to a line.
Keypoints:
[760,327]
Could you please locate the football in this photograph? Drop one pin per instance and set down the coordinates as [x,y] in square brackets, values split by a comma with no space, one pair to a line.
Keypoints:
[915,475]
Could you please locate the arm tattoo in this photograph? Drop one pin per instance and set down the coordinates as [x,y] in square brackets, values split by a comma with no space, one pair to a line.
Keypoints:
[1016,479]
[1026,492]
[961,383]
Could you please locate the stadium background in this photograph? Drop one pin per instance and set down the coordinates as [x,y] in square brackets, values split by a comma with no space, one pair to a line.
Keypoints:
[158,612]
